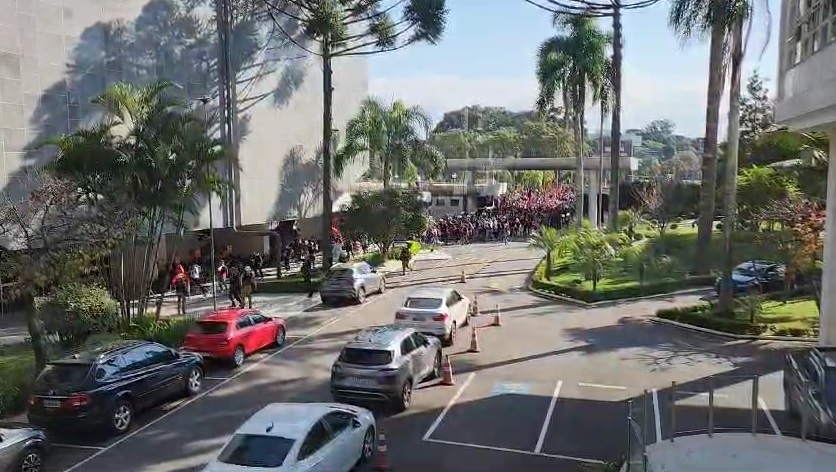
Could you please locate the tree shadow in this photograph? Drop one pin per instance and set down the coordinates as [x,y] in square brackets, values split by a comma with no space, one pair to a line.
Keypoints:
[172,39]
[300,194]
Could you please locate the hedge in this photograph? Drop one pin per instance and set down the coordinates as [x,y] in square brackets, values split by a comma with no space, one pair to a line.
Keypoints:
[632,291]
[703,317]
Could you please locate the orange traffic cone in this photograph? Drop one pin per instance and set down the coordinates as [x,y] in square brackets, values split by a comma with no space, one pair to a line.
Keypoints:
[474,341]
[463,278]
[447,372]
[497,317]
[381,457]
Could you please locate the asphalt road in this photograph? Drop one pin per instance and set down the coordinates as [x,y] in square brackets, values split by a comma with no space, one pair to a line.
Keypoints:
[548,391]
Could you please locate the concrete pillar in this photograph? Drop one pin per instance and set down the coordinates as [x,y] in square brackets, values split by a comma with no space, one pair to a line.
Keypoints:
[592,197]
[827,333]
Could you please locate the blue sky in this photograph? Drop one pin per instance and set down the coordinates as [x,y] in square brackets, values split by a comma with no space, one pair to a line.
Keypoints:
[487,57]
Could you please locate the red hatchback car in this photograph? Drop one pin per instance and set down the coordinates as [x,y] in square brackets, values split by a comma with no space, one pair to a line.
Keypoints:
[233,334]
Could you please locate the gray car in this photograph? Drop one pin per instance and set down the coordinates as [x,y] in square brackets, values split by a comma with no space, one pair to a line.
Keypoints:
[22,448]
[351,281]
[384,363]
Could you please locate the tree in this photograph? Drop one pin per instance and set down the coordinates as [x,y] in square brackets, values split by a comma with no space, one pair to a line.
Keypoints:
[552,242]
[660,131]
[384,216]
[56,238]
[346,28]
[659,205]
[757,114]
[392,136]
[759,187]
[641,258]
[591,254]
[150,156]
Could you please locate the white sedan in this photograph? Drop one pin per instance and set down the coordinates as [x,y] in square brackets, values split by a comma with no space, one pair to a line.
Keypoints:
[438,311]
[300,437]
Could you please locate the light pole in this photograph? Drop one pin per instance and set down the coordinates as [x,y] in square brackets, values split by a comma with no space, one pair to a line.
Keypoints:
[204,101]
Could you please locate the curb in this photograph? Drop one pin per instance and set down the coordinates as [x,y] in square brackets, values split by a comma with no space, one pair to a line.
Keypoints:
[750,337]
[604,303]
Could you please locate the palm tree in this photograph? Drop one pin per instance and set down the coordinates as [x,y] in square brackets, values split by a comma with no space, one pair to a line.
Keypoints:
[551,241]
[393,138]
[570,63]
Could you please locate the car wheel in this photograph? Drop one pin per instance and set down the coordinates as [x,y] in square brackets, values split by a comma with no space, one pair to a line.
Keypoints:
[405,397]
[436,373]
[382,286]
[122,417]
[361,295]
[367,452]
[281,336]
[31,460]
[194,381]
[238,356]
[451,337]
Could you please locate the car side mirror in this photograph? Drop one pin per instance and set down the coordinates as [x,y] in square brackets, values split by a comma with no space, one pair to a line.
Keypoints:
[356,423]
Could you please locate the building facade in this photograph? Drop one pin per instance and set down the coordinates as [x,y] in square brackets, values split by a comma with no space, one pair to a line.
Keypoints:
[806,101]
[55,55]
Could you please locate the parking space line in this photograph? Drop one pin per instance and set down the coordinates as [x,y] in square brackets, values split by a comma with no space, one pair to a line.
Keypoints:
[77,446]
[604,386]
[545,428]
[515,451]
[769,416]
[447,408]
[657,421]
[216,378]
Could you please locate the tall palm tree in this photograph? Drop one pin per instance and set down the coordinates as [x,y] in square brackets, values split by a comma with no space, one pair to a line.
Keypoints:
[394,139]
[571,63]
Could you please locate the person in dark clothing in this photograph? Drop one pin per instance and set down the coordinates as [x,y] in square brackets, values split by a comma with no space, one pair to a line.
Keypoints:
[235,286]
[248,286]
[258,264]
[307,274]
[406,256]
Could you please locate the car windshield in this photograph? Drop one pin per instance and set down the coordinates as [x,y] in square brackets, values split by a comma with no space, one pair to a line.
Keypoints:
[366,356]
[423,303]
[209,327]
[255,450]
[340,274]
[55,374]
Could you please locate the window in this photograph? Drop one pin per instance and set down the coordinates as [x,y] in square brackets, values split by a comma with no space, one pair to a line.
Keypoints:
[365,356]
[339,421]
[134,358]
[364,269]
[210,327]
[419,339]
[156,354]
[258,318]
[253,450]
[315,440]
[454,202]
[243,322]
[340,274]
[812,26]
[453,298]
[422,303]
[439,202]
[109,368]
[407,346]
[70,374]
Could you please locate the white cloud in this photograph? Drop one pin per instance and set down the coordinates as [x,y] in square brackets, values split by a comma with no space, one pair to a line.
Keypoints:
[646,96]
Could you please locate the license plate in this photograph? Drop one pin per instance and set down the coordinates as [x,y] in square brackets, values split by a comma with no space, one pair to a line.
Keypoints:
[359,381]
[52,404]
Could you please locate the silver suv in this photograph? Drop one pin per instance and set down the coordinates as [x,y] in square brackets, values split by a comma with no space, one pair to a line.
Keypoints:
[351,281]
[385,363]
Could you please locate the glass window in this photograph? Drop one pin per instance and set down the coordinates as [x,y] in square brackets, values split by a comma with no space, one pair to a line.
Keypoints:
[69,374]
[454,202]
[423,303]
[135,358]
[339,274]
[109,368]
[253,450]
[243,322]
[210,327]
[315,440]
[156,354]
[258,318]
[339,421]
[364,269]
[419,339]
[365,356]
[407,346]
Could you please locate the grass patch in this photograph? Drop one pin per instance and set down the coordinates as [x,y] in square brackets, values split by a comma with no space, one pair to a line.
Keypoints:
[677,251]
[796,317]
[288,284]
[17,371]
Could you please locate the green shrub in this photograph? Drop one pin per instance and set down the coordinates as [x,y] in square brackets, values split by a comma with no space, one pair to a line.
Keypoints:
[76,311]
[169,332]
[577,292]
[17,371]
[674,226]
[375,259]
[793,332]
[289,284]
[703,316]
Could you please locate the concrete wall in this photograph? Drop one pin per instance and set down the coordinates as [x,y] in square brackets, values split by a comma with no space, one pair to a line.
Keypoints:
[55,55]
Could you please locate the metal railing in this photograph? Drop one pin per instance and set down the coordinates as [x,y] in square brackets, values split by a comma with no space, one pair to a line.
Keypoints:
[637,418]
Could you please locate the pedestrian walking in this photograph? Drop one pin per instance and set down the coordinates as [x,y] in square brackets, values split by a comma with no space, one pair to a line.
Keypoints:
[406,256]
[235,287]
[248,286]
[180,282]
[307,274]
[196,276]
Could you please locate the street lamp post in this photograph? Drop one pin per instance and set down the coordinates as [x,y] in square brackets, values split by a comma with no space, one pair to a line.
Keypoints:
[204,101]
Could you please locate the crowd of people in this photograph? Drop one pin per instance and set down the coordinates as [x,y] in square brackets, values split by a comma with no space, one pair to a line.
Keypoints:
[515,214]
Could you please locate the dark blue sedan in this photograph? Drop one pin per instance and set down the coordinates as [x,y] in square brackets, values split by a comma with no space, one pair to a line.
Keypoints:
[756,276]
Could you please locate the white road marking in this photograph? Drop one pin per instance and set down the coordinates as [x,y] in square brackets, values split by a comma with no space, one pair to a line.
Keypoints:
[703,394]
[211,389]
[604,386]
[216,378]
[77,446]
[769,416]
[545,428]
[449,405]
[657,421]
[514,451]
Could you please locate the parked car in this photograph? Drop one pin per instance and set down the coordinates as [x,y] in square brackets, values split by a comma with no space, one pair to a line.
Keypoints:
[351,281]
[22,447]
[385,363]
[104,388]
[300,437]
[436,311]
[755,276]
[235,333]
[810,389]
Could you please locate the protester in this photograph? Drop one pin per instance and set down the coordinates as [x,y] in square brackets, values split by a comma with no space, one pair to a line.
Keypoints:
[248,286]
[235,287]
